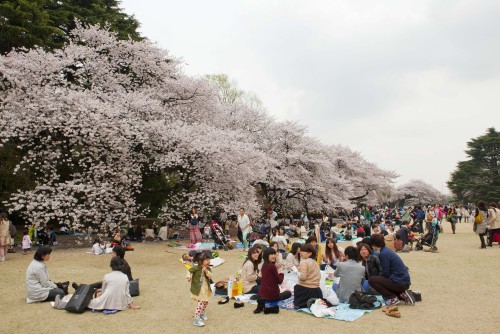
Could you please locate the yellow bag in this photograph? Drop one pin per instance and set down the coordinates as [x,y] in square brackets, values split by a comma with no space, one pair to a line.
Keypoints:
[479,218]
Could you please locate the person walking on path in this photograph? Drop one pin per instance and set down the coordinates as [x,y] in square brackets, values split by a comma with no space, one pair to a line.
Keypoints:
[481,222]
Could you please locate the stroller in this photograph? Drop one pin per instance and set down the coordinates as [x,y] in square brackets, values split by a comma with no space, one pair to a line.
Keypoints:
[220,239]
[429,239]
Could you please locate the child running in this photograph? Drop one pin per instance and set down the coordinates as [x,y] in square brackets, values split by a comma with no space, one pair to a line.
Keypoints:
[26,242]
[200,277]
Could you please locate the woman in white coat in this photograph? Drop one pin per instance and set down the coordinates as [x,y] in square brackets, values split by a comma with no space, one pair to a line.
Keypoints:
[39,287]
[114,294]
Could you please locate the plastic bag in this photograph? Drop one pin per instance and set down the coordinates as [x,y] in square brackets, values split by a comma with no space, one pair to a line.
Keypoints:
[320,309]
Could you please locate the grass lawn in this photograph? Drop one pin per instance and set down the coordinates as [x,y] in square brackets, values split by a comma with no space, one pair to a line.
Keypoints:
[459,288]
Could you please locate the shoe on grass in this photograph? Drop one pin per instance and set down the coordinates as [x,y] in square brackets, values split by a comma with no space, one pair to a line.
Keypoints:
[272,310]
[408,298]
[391,302]
[198,322]
[58,303]
[394,314]
[390,308]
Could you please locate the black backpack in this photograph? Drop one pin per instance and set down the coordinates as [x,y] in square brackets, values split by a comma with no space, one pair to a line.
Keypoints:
[193,221]
[362,301]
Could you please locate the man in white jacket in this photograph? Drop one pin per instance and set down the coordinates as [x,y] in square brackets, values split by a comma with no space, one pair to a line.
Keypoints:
[244,224]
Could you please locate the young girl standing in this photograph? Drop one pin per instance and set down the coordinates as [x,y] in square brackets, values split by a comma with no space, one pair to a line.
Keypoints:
[26,243]
[200,277]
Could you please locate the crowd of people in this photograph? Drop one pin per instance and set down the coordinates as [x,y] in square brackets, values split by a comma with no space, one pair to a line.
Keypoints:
[369,264]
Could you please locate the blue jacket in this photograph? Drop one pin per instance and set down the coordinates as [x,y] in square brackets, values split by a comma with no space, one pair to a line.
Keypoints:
[393,267]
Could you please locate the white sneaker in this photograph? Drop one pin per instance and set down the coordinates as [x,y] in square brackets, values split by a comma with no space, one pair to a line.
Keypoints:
[57,303]
[198,322]
[203,317]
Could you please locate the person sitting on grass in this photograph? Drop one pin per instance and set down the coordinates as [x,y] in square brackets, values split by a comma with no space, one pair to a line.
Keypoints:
[118,251]
[398,243]
[293,258]
[39,287]
[279,262]
[394,281]
[98,247]
[371,263]
[115,291]
[117,238]
[309,277]
[351,274]
[404,232]
[163,232]
[149,234]
[359,238]
[269,290]
[333,255]
[262,241]
[114,295]
[250,271]
[312,240]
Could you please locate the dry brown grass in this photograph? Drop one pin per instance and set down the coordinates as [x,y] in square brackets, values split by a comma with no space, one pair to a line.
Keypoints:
[459,287]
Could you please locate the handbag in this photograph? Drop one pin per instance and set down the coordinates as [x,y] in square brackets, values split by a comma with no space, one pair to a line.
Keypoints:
[80,299]
[221,288]
[363,301]
[134,287]
[479,218]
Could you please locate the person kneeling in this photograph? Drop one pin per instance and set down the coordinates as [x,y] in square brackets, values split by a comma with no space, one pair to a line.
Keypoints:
[269,287]
[394,282]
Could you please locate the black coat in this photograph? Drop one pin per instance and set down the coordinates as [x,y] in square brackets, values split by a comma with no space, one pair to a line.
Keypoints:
[372,266]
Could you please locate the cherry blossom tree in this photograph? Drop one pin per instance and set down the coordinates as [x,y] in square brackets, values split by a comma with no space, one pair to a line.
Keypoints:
[102,123]
[94,118]
[418,192]
[303,173]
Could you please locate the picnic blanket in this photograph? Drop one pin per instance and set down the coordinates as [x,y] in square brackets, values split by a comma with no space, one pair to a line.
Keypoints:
[342,312]
[199,245]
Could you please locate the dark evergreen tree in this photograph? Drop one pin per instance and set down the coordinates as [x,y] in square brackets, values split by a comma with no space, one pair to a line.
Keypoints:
[479,177]
[47,23]
[26,23]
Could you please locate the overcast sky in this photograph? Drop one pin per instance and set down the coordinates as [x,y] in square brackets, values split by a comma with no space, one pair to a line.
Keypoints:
[406,83]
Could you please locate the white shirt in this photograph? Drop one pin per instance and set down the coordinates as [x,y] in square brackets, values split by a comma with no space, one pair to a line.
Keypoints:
[163,233]
[355,241]
[272,220]
[261,242]
[243,221]
[98,249]
[116,293]
[281,240]
[38,283]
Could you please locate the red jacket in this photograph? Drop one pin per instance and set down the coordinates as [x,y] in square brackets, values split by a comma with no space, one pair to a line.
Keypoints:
[269,289]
